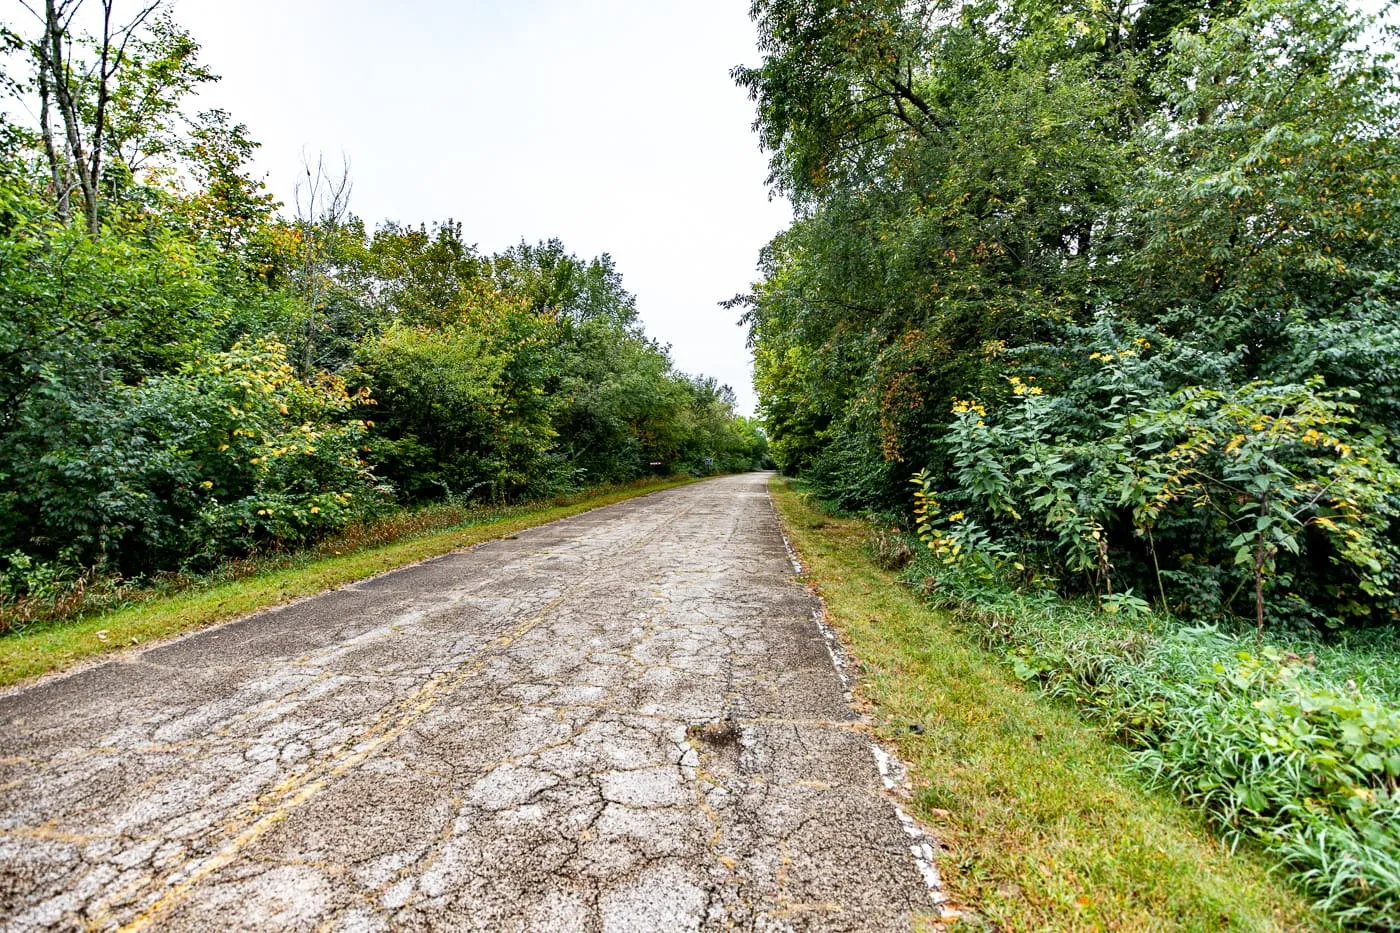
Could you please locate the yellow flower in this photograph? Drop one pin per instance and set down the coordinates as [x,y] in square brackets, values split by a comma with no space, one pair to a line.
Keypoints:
[957,516]
[315,509]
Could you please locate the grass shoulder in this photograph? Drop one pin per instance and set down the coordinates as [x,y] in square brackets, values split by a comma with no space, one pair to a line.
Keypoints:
[1044,825]
[58,644]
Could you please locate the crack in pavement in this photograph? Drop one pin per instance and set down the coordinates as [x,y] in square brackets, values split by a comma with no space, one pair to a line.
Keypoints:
[626,720]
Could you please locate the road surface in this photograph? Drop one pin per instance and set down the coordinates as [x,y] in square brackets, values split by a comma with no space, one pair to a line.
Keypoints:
[626,720]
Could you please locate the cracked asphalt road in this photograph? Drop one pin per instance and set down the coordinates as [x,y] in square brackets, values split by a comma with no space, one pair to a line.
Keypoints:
[626,720]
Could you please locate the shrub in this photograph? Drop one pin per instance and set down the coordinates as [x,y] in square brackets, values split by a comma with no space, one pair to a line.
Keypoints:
[230,452]
[1277,744]
[1278,485]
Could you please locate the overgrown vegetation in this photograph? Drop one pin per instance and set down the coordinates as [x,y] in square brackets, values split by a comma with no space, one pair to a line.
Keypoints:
[1119,276]
[1114,284]
[189,374]
[1043,823]
[1291,744]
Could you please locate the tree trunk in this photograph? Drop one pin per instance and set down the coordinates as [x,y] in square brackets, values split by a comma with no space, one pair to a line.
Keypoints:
[54,59]
[57,170]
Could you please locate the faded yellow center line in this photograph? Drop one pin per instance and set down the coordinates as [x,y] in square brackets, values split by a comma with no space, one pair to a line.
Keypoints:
[49,833]
[286,797]
[294,792]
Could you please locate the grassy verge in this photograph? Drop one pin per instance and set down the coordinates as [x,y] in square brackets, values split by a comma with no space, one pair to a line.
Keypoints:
[1045,825]
[54,645]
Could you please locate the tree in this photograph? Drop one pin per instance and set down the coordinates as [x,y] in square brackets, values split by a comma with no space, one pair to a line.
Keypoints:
[101,120]
[999,197]
[322,203]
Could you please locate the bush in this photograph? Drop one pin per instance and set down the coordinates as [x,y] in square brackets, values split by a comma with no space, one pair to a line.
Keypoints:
[230,452]
[1265,499]
[438,398]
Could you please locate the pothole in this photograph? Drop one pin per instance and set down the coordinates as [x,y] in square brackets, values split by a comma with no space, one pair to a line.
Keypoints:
[720,745]
[718,735]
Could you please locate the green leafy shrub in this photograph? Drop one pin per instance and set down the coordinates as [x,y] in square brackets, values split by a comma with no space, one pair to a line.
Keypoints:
[230,452]
[1278,486]
[254,453]
[438,401]
[1276,743]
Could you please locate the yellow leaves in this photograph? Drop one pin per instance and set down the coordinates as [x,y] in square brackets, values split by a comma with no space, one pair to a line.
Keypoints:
[1110,357]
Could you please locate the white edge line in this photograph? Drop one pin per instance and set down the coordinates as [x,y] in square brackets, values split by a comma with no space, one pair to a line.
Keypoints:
[923,847]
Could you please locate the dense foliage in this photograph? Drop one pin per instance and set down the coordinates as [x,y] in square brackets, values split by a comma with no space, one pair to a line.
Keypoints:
[1118,277]
[188,374]
[1114,285]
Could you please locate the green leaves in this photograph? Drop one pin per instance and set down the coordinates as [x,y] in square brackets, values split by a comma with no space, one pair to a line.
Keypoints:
[1178,222]
[1275,747]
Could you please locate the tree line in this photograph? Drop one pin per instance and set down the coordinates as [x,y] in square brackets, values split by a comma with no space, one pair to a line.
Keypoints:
[1113,284]
[189,370]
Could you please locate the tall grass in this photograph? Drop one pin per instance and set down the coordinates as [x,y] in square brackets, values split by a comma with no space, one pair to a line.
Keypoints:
[1294,744]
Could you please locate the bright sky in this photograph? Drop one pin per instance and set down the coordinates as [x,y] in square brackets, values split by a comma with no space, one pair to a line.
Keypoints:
[611,124]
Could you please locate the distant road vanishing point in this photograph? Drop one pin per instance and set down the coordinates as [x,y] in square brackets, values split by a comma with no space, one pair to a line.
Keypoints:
[626,720]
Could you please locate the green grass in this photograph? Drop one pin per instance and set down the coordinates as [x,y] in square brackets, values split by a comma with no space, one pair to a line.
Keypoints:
[1045,825]
[1290,742]
[54,645]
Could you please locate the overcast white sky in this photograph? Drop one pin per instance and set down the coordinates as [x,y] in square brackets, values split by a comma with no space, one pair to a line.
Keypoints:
[611,124]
